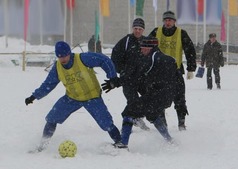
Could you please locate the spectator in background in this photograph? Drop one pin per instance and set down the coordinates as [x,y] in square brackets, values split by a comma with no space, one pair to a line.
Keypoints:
[212,55]
[91,45]
[173,41]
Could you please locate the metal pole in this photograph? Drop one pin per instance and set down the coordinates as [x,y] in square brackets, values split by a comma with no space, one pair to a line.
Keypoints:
[6,22]
[41,23]
[228,33]
[204,21]
[65,20]
[71,24]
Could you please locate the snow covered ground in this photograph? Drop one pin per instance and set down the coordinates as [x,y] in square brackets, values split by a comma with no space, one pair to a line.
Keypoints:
[210,141]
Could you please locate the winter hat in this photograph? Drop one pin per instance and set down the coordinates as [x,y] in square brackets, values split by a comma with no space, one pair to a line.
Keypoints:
[169,15]
[62,49]
[149,42]
[138,22]
[212,35]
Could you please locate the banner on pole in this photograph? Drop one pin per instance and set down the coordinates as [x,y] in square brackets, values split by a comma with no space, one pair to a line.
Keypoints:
[186,12]
[233,8]
[97,26]
[139,7]
[105,7]
[26,18]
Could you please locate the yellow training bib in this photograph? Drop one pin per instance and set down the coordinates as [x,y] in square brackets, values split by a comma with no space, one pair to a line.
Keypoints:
[80,81]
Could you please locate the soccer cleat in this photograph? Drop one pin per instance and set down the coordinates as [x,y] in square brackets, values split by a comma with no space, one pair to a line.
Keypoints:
[38,149]
[172,143]
[43,144]
[41,147]
[140,123]
[120,145]
[182,127]
[218,86]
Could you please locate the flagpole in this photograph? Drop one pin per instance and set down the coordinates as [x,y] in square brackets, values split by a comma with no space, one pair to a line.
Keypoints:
[168,5]
[155,9]
[196,41]
[129,17]
[155,18]
[228,33]
[101,22]
[134,12]
[71,23]
[204,21]
[6,23]
[65,19]
[26,17]
[41,23]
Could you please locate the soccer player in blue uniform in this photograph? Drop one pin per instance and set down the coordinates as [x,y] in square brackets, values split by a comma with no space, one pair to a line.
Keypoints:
[76,73]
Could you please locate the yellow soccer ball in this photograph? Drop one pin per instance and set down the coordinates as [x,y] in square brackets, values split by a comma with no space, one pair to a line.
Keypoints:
[67,149]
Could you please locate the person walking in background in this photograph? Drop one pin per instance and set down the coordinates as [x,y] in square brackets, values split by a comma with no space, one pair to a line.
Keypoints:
[76,73]
[173,41]
[124,53]
[212,56]
[158,72]
[92,44]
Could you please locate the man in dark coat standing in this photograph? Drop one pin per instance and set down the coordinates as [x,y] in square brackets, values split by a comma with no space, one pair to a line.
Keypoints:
[173,41]
[212,55]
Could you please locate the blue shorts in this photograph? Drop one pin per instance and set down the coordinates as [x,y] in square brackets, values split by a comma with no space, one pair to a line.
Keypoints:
[65,106]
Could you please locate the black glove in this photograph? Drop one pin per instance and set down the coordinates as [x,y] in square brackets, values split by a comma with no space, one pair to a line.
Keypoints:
[29,100]
[111,84]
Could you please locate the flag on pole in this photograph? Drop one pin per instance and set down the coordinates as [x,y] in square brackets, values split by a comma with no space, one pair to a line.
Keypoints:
[105,7]
[186,11]
[97,26]
[132,2]
[223,28]
[233,8]
[139,7]
[200,6]
[26,18]
[70,4]
[155,5]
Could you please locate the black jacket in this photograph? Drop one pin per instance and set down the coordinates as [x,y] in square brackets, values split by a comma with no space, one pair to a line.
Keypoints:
[125,52]
[158,73]
[212,55]
[159,77]
[187,45]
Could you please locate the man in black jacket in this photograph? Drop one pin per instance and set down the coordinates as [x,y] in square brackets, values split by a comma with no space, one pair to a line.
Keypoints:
[173,41]
[125,52]
[212,55]
[157,71]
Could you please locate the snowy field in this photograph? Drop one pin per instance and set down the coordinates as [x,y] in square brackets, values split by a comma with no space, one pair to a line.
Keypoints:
[210,141]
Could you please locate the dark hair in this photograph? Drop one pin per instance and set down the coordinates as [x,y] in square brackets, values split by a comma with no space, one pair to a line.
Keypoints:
[212,35]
